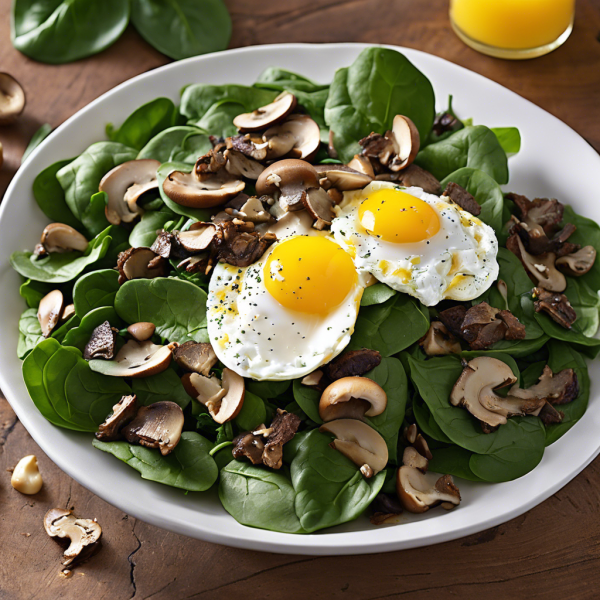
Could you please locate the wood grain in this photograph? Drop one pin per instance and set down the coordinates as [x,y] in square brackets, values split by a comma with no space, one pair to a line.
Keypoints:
[552,552]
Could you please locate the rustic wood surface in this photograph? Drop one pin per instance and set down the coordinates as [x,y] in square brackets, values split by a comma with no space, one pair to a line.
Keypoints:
[553,551]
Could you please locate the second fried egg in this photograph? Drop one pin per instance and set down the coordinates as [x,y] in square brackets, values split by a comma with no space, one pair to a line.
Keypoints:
[417,243]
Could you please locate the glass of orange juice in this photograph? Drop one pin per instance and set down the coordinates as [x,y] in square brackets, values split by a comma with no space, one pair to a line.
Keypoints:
[512,28]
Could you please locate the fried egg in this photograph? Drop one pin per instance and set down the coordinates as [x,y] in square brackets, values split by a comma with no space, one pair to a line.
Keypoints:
[287,314]
[417,243]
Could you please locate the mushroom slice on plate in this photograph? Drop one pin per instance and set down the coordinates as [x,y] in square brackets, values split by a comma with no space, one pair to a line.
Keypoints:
[198,357]
[82,533]
[555,388]
[300,131]
[58,237]
[214,189]
[123,412]
[141,331]
[268,115]
[341,177]
[241,165]
[415,176]
[438,341]
[156,426]
[12,99]
[419,491]
[136,359]
[353,363]
[556,306]
[67,313]
[320,206]
[101,343]
[578,263]
[406,143]
[360,443]
[464,199]
[352,397]
[250,446]
[412,458]
[124,185]
[50,311]
[362,164]
[283,429]
[198,237]
[140,263]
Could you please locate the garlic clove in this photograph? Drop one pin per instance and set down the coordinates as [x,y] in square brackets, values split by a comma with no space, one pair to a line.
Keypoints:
[26,477]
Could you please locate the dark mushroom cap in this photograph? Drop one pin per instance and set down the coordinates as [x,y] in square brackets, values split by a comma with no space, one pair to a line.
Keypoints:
[12,99]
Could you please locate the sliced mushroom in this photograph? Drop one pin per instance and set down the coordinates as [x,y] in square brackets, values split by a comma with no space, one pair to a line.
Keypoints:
[406,143]
[124,185]
[314,379]
[418,492]
[238,244]
[283,429]
[415,176]
[196,357]
[352,397]
[288,179]
[240,165]
[249,445]
[156,426]
[268,115]
[438,341]
[556,306]
[422,447]
[578,263]
[360,443]
[83,534]
[299,129]
[254,210]
[541,214]
[464,199]
[101,343]
[453,319]
[141,331]
[480,328]
[122,413]
[67,313]
[555,388]
[386,509]
[412,458]
[140,263]
[136,359]
[26,476]
[59,238]
[541,269]
[198,237]
[49,311]
[341,177]
[411,433]
[362,164]
[214,189]
[223,399]
[353,363]
[12,99]
[320,206]
[252,147]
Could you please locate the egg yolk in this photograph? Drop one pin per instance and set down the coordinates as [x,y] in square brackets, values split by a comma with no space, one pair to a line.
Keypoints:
[395,216]
[309,274]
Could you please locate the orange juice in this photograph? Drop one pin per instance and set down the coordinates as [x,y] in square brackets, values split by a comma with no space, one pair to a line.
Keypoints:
[529,27]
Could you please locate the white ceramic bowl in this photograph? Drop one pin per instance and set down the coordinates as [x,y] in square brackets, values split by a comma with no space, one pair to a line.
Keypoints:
[534,172]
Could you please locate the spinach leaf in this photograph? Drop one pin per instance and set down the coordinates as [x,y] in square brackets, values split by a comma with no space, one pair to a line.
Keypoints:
[182,28]
[189,467]
[61,31]
[51,197]
[433,136]
[329,487]
[486,192]
[94,290]
[177,308]
[199,214]
[60,333]
[586,303]
[475,146]
[80,335]
[143,124]
[60,268]
[509,138]
[81,177]
[427,423]
[165,386]
[162,146]
[377,294]
[253,413]
[587,345]
[33,291]
[257,497]
[281,79]
[453,460]
[308,400]
[511,451]
[367,95]
[391,326]
[267,389]
[118,244]
[30,332]
[38,137]
[194,144]
[94,216]
[144,232]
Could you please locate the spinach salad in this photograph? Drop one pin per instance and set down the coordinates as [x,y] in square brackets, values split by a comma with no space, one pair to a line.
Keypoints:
[316,297]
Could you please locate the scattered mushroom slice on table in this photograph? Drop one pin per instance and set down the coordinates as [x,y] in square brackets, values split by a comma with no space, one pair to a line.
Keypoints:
[83,534]
[12,99]
[124,185]
[136,359]
[26,476]
[156,426]
[352,397]
[59,238]
[122,413]
[50,310]
[360,443]
[267,115]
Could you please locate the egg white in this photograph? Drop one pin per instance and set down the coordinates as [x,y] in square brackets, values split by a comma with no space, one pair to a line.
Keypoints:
[459,262]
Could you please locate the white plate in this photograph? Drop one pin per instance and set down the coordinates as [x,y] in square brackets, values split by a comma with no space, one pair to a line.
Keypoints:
[536,171]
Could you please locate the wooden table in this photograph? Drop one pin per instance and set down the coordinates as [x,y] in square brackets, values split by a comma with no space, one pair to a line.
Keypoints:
[552,551]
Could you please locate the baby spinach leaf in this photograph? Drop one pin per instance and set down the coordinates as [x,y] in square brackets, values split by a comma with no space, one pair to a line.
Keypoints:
[189,467]
[60,333]
[475,146]
[59,268]
[182,28]
[453,460]
[33,291]
[587,345]
[50,196]
[194,144]
[509,138]
[199,214]
[308,400]
[30,332]
[281,79]
[169,142]
[38,137]
[143,123]
[367,95]
[391,326]
[80,335]
[257,497]
[94,216]
[218,119]
[118,244]
[61,31]
[144,232]
[81,177]
[94,290]
[253,413]
[377,294]
[427,423]
[165,386]
[176,307]
[511,451]
[486,192]
[267,389]
[329,487]
[586,303]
